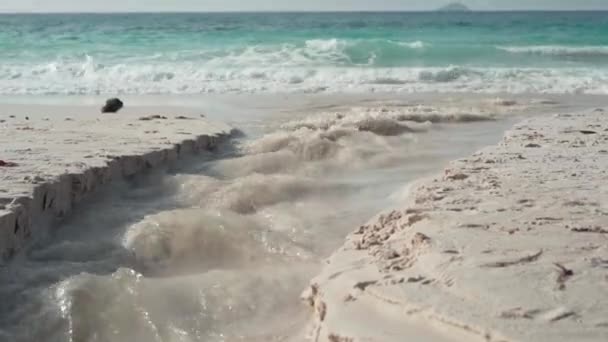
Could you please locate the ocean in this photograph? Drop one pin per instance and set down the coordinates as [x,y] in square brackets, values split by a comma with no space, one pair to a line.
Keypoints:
[193,53]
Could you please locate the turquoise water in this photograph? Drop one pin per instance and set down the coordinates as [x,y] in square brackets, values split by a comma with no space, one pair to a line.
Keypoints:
[545,52]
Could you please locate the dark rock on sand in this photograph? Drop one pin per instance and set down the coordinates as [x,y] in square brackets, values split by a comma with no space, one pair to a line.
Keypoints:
[112,106]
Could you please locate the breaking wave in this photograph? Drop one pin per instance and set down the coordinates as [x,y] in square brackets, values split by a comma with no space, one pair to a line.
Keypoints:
[558,50]
[90,77]
[309,66]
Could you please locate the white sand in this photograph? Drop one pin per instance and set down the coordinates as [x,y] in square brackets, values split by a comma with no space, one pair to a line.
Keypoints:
[59,159]
[510,244]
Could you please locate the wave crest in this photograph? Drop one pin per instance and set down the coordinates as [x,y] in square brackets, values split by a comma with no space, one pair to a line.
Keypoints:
[92,77]
[444,75]
[558,50]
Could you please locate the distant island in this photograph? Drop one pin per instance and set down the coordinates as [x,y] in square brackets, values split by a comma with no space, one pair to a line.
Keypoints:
[454,7]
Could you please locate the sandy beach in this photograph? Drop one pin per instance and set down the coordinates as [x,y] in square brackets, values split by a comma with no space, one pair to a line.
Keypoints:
[252,217]
[221,247]
[508,244]
[326,171]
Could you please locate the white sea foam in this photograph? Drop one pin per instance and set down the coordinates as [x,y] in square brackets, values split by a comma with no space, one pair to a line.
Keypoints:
[319,66]
[444,75]
[325,44]
[558,50]
[413,45]
[193,79]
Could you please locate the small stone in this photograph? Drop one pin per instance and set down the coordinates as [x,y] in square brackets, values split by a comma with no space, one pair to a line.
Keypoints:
[112,105]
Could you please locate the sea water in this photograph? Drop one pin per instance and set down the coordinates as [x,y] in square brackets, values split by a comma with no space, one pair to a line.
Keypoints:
[517,52]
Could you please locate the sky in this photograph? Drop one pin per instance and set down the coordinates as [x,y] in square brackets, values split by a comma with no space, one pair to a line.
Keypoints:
[284,5]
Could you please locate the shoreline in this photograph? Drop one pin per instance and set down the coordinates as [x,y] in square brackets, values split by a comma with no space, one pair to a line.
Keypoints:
[53,114]
[231,185]
[502,246]
[59,160]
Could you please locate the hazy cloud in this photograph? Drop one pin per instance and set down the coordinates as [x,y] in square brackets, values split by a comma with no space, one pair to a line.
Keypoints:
[282,5]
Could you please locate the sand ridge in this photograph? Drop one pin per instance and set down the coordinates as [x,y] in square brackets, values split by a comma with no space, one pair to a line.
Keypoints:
[52,162]
[509,244]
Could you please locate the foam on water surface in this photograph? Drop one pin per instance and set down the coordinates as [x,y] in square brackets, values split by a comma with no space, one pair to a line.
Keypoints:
[84,78]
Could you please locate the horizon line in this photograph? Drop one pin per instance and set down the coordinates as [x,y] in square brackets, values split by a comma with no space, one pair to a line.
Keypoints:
[302,11]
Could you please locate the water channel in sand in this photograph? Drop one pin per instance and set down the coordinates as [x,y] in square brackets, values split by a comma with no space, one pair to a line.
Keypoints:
[220,249]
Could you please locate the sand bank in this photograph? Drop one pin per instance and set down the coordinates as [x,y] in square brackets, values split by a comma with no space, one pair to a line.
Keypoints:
[52,162]
[509,244]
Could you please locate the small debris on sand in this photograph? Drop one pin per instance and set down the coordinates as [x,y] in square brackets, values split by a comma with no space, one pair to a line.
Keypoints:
[526,259]
[7,164]
[364,284]
[563,275]
[153,117]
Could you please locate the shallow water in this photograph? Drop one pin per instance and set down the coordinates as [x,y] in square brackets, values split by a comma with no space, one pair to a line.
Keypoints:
[219,250]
